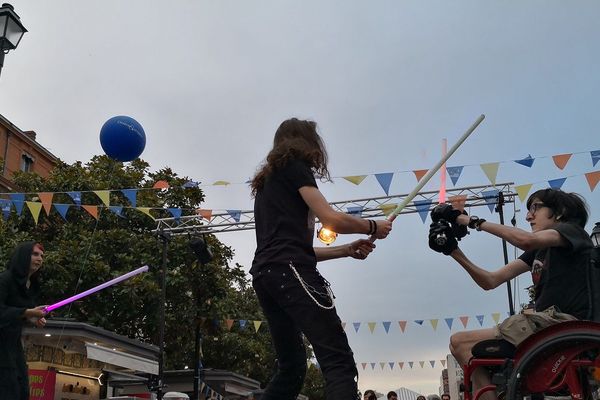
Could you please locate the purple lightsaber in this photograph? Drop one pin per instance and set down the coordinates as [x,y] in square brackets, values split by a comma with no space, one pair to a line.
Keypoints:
[97,288]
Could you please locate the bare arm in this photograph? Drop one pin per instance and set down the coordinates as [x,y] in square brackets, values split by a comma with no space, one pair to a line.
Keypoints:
[518,237]
[358,249]
[490,279]
[338,221]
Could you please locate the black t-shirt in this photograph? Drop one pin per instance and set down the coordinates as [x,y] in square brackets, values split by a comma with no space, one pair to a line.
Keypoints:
[284,223]
[560,273]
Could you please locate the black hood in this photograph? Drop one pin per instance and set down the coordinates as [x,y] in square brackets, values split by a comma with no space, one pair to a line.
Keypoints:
[20,262]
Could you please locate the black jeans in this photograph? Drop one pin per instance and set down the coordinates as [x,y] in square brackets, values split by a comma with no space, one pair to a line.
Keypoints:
[290,312]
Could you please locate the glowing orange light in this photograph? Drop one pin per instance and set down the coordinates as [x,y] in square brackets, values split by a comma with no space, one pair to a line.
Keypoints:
[326,236]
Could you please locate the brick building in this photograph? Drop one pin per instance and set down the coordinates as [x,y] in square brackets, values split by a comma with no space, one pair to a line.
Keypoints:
[19,151]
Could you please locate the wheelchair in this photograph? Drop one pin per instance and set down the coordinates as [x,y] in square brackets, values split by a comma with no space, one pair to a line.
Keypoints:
[562,360]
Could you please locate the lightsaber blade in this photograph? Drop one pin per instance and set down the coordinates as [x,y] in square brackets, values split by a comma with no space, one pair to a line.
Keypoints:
[432,171]
[97,288]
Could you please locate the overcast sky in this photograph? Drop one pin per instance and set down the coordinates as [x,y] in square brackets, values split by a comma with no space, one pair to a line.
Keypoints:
[210,81]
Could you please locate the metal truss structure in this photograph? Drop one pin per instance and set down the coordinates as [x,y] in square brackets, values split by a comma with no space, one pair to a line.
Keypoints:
[366,208]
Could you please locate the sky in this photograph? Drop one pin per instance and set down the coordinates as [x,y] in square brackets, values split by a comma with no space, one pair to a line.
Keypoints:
[386,81]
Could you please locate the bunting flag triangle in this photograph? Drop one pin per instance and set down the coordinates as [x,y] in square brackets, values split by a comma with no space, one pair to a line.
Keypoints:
[420,173]
[243,323]
[371,326]
[235,214]
[401,364]
[386,326]
[257,325]
[458,201]
[35,209]
[373,365]
[356,326]
[595,157]
[491,198]
[421,363]
[592,179]
[449,322]
[190,185]
[6,206]
[161,185]
[464,320]
[356,179]
[364,365]
[391,364]
[556,183]
[206,214]
[527,161]
[387,209]
[454,173]
[62,210]
[46,200]
[229,324]
[419,321]
[343,325]
[480,319]
[523,191]
[496,317]
[410,364]
[145,210]
[175,212]
[491,171]
[18,200]
[434,323]
[76,197]
[402,325]
[131,195]
[104,195]
[432,362]
[382,365]
[117,210]
[221,183]
[355,210]
[422,207]
[443,362]
[385,180]
[561,160]
[92,210]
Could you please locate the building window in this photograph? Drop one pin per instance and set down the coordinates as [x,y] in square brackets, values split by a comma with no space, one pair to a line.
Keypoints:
[26,163]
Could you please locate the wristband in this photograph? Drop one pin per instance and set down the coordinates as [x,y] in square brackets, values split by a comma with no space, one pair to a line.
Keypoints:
[374,227]
[478,224]
[473,220]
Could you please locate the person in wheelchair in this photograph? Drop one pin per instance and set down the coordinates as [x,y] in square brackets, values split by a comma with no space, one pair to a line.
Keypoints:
[557,252]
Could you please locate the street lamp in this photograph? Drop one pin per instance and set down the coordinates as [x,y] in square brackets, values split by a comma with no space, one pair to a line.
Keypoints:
[11,30]
[595,236]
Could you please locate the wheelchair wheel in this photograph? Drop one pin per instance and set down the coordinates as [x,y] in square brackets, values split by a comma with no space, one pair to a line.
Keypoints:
[574,372]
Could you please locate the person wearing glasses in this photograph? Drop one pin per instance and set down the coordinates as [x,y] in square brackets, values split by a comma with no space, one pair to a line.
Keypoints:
[556,252]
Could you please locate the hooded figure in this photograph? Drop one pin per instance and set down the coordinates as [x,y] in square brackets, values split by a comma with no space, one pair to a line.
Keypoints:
[16,297]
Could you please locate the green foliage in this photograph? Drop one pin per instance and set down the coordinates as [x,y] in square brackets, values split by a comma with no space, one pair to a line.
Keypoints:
[314,384]
[83,252]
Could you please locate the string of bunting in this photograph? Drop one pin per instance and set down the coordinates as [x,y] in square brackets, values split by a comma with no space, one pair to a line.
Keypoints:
[18,201]
[209,392]
[372,326]
[390,365]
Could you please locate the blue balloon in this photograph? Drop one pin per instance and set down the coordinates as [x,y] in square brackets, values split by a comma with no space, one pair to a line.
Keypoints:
[122,138]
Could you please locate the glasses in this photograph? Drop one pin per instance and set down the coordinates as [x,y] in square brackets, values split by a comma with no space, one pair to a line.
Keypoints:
[534,207]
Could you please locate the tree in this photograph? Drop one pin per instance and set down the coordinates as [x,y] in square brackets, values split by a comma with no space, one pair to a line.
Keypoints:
[83,252]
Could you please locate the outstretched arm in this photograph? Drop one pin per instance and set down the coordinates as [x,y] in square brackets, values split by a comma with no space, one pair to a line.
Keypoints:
[518,237]
[338,221]
[490,279]
[358,249]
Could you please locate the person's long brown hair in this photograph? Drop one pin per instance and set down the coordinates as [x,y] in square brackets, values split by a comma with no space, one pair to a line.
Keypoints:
[294,139]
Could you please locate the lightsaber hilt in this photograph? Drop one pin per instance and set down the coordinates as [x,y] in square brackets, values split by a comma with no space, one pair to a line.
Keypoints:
[432,171]
[97,288]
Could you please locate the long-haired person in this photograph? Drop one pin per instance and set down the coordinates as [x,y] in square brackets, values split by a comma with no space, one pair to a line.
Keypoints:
[294,297]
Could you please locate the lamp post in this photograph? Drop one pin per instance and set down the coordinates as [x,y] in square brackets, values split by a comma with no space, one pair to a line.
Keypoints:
[595,236]
[11,31]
